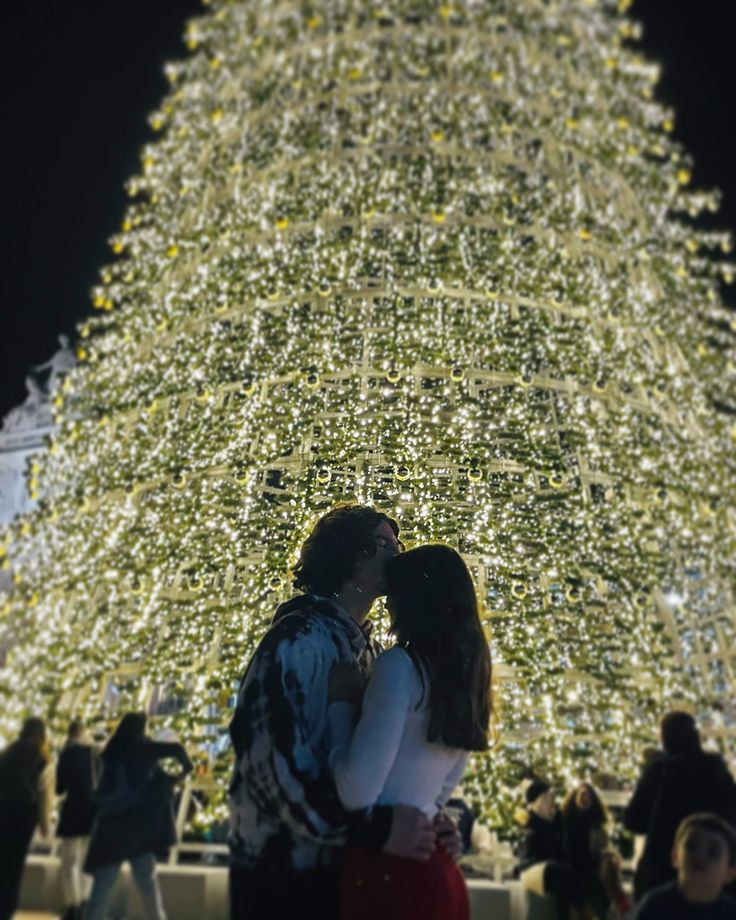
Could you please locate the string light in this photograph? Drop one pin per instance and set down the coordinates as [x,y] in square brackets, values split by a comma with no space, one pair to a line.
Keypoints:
[422,258]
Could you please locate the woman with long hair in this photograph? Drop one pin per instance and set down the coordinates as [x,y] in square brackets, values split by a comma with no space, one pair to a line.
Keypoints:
[134,821]
[585,822]
[26,799]
[426,706]
[596,867]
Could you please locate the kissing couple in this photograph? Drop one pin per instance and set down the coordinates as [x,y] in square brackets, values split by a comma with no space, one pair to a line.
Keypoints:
[345,753]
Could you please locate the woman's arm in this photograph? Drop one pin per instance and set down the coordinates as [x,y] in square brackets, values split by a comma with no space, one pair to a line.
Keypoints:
[452,779]
[361,761]
[170,750]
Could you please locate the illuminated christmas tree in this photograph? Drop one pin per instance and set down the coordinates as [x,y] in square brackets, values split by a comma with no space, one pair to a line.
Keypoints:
[437,259]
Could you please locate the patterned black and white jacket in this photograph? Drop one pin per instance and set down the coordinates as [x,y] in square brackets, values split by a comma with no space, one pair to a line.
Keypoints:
[284,808]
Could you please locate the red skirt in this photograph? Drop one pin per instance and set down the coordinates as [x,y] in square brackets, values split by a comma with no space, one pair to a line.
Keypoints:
[378,886]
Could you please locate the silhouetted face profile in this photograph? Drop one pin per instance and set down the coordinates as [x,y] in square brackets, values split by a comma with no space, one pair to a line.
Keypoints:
[371,569]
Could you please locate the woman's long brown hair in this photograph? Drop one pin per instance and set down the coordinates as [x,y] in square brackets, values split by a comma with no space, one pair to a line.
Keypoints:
[435,618]
[597,814]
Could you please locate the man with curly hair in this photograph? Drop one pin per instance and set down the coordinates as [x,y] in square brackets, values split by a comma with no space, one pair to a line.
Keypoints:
[287,824]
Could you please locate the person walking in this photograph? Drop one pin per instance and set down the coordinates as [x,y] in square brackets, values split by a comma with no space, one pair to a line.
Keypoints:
[685,781]
[287,824]
[77,774]
[426,706]
[134,820]
[26,800]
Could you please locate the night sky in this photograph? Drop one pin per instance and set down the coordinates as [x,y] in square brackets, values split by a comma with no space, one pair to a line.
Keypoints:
[80,78]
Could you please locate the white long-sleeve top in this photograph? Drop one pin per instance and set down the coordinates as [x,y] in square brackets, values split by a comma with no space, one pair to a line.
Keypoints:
[387,758]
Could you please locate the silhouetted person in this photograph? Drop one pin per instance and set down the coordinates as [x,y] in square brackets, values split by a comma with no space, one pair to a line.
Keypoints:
[77,774]
[541,837]
[134,819]
[26,796]
[685,781]
[543,864]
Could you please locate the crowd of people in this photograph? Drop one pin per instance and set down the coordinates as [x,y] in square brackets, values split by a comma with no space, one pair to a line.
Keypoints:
[565,852]
[116,807]
[684,809]
[345,755]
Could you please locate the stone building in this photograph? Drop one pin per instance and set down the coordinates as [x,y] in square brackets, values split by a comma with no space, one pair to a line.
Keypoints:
[24,433]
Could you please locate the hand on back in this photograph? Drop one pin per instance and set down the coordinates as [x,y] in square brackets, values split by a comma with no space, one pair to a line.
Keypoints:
[412,834]
[448,834]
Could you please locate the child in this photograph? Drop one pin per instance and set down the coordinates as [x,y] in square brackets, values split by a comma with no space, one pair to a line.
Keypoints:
[704,855]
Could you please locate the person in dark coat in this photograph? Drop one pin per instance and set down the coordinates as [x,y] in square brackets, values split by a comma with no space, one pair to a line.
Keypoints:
[541,839]
[685,781]
[134,821]
[77,773]
[26,794]
[543,864]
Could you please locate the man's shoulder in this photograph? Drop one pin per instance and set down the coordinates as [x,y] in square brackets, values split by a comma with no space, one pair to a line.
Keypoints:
[715,761]
[299,631]
[303,609]
[300,617]
[706,767]
[650,779]
[655,769]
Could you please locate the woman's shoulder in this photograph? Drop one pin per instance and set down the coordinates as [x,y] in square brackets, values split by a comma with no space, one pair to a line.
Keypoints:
[395,659]
[397,666]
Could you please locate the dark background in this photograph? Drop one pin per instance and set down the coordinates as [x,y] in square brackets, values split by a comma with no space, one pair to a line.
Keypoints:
[80,78]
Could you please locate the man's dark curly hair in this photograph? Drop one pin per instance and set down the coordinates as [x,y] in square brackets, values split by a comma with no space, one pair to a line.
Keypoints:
[328,556]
